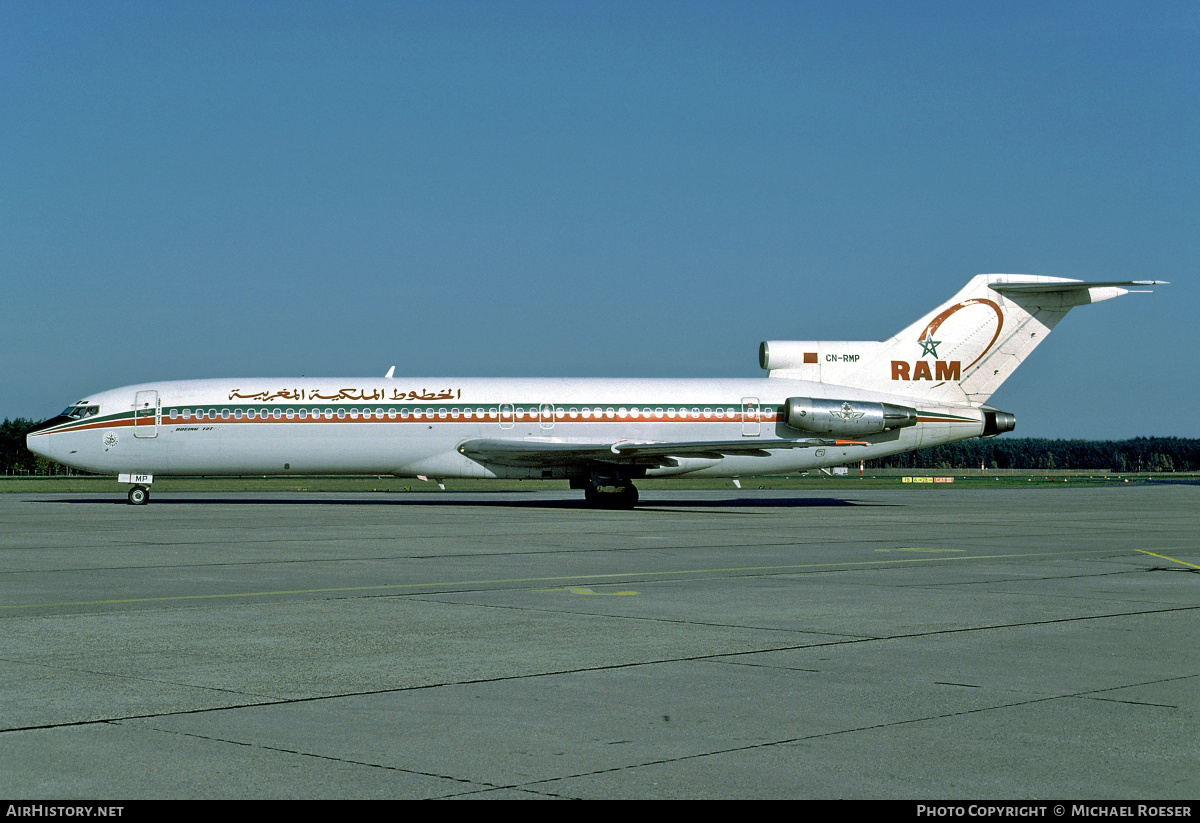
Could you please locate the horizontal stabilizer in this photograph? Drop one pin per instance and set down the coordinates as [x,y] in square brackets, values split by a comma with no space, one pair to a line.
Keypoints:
[1072,285]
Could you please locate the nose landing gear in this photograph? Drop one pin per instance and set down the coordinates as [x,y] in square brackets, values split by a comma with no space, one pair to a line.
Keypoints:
[139,496]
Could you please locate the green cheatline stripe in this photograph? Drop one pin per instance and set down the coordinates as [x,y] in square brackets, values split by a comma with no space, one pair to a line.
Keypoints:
[943,416]
[96,422]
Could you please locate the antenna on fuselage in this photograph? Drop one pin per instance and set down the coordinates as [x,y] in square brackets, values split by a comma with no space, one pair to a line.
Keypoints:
[391,371]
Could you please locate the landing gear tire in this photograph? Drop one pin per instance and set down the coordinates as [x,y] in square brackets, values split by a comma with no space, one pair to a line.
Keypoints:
[623,496]
[139,496]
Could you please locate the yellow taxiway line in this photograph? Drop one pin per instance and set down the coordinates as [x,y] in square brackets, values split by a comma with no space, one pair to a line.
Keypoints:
[1172,559]
[564,579]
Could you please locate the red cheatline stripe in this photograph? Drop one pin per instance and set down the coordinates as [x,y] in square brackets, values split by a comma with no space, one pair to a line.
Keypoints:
[520,418]
[179,420]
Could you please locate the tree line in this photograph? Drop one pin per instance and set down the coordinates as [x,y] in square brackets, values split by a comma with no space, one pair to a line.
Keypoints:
[1141,454]
[15,458]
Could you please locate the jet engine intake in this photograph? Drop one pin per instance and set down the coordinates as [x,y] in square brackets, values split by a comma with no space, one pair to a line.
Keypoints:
[845,418]
[787,354]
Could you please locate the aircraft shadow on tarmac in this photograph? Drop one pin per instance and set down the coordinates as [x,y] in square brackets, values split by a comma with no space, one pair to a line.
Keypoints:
[474,500]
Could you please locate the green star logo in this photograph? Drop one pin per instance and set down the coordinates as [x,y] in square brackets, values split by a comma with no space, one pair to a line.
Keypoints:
[929,346]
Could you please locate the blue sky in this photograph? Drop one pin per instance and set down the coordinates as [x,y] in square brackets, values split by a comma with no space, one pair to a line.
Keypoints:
[204,189]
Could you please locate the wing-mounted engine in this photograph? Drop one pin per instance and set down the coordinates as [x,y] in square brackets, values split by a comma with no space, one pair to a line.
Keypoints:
[845,418]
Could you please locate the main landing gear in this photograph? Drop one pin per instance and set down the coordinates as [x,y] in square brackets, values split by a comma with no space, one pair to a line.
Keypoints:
[610,494]
[139,496]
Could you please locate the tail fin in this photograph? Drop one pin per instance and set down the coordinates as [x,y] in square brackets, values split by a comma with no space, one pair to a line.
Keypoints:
[958,353]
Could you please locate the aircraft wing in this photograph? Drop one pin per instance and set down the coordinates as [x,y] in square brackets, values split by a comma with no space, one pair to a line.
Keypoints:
[557,453]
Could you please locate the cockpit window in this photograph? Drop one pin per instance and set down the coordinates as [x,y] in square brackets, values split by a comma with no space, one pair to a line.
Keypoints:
[80,411]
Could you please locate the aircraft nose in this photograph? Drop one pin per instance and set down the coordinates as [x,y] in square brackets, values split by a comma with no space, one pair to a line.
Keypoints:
[39,443]
[48,423]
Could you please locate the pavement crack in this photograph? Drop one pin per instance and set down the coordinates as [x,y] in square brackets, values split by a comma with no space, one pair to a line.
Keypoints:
[133,678]
[643,618]
[329,758]
[712,656]
[839,732]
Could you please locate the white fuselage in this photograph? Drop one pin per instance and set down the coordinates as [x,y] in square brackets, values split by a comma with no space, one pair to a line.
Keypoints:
[412,427]
[823,403]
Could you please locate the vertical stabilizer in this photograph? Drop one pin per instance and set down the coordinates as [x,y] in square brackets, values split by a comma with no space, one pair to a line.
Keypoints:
[960,352]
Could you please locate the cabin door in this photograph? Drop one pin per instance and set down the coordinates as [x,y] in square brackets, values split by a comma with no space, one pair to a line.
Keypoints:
[146,414]
[751,427]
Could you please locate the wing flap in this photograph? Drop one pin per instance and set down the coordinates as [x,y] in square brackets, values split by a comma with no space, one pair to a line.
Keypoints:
[558,453]
[534,452]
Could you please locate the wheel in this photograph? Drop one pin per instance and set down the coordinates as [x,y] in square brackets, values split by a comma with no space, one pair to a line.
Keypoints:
[139,496]
[621,497]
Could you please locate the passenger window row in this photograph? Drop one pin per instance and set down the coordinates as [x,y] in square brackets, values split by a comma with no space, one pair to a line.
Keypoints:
[493,413]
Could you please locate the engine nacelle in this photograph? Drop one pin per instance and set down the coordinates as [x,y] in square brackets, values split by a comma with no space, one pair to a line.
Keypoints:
[997,422]
[787,354]
[845,418]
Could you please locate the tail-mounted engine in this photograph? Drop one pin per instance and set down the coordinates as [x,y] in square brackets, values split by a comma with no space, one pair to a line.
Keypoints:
[997,422]
[845,418]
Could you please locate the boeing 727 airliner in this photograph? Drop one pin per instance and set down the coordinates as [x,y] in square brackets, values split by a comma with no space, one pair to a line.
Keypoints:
[821,404]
